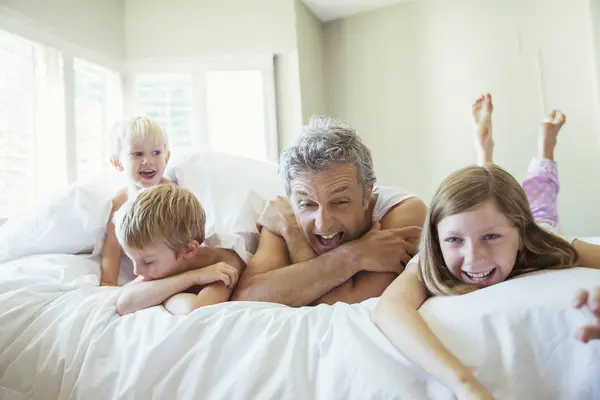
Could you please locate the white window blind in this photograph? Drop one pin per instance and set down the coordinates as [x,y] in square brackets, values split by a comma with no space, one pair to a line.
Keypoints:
[98,106]
[32,161]
[222,104]
[168,99]
[236,116]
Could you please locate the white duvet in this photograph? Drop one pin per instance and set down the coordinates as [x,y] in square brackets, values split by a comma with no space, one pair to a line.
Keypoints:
[61,338]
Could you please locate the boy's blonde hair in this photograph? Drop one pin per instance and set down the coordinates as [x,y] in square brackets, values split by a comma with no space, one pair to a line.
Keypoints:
[135,128]
[162,214]
[467,188]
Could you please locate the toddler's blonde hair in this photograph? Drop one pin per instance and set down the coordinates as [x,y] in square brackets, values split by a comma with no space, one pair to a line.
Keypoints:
[135,128]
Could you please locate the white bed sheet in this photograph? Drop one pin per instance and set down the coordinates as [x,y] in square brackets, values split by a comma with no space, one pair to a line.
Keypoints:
[60,338]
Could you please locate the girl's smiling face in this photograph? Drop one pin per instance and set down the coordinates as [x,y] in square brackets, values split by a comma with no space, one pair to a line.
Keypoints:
[480,245]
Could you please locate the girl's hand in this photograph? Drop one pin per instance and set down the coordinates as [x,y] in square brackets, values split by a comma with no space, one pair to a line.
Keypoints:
[473,390]
[591,300]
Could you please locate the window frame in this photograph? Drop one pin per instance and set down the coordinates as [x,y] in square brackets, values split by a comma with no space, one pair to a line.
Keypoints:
[198,67]
[31,30]
[27,28]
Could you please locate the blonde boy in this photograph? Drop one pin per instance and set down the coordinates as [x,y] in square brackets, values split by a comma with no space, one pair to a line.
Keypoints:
[140,149]
[162,231]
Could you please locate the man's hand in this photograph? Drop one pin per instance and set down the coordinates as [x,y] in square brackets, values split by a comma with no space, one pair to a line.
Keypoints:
[217,272]
[277,216]
[591,300]
[108,283]
[386,250]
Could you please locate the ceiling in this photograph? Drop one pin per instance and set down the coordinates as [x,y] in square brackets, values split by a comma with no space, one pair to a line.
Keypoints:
[328,10]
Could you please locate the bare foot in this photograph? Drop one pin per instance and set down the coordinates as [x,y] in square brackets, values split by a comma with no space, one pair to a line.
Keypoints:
[549,129]
[482,127]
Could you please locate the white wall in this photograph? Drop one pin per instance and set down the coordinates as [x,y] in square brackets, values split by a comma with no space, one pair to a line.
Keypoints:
[310,36]
[372,82]
[289,103]
[96,25]
[595,21]
[405,77]
[199,28]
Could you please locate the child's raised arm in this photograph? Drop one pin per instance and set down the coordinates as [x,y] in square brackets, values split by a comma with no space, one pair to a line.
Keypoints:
[141,294]
[398,318]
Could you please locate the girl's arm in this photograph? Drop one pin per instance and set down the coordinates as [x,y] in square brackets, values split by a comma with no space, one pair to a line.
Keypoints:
[397,315]
[589,254]
[591,300]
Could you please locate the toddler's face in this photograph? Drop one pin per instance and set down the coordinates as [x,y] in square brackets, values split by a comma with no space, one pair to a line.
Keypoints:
[144,161]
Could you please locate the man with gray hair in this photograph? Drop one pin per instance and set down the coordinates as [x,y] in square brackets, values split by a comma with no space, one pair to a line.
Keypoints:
[336,237]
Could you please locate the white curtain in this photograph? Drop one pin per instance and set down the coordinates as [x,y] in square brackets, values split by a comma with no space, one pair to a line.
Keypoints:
[32,138]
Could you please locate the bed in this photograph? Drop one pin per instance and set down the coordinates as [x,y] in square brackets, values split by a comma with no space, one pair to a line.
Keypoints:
[61,338]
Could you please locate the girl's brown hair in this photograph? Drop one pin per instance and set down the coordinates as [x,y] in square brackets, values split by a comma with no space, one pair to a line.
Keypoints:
[468,188]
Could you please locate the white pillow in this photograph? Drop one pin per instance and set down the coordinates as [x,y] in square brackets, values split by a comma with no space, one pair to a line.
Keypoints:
[72,222]
[233,191]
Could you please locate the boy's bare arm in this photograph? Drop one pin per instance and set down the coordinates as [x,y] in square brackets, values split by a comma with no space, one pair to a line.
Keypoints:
[185,303]
[142,294]
[214,293]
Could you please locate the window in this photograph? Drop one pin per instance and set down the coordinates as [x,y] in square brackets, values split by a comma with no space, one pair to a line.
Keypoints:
[56,111]
[32,161]
[168,99]
[98,107]
[225,105]
[236,113]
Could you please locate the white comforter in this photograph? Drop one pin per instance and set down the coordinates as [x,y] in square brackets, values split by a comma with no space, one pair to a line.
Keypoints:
[60,338]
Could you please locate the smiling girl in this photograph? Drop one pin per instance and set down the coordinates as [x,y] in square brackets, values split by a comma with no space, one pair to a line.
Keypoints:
[482,229]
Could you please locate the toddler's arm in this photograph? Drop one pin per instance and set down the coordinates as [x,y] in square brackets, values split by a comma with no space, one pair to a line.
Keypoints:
[111,251]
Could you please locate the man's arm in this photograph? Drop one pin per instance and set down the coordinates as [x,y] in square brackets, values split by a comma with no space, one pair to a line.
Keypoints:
[298,248]
[269,277]
[366,284]
[279,218]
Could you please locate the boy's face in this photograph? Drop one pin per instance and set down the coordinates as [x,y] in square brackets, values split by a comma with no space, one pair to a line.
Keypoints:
[144,161]
[156,261]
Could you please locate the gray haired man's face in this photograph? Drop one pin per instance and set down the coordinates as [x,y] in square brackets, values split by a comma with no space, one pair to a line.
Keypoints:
[329,206]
